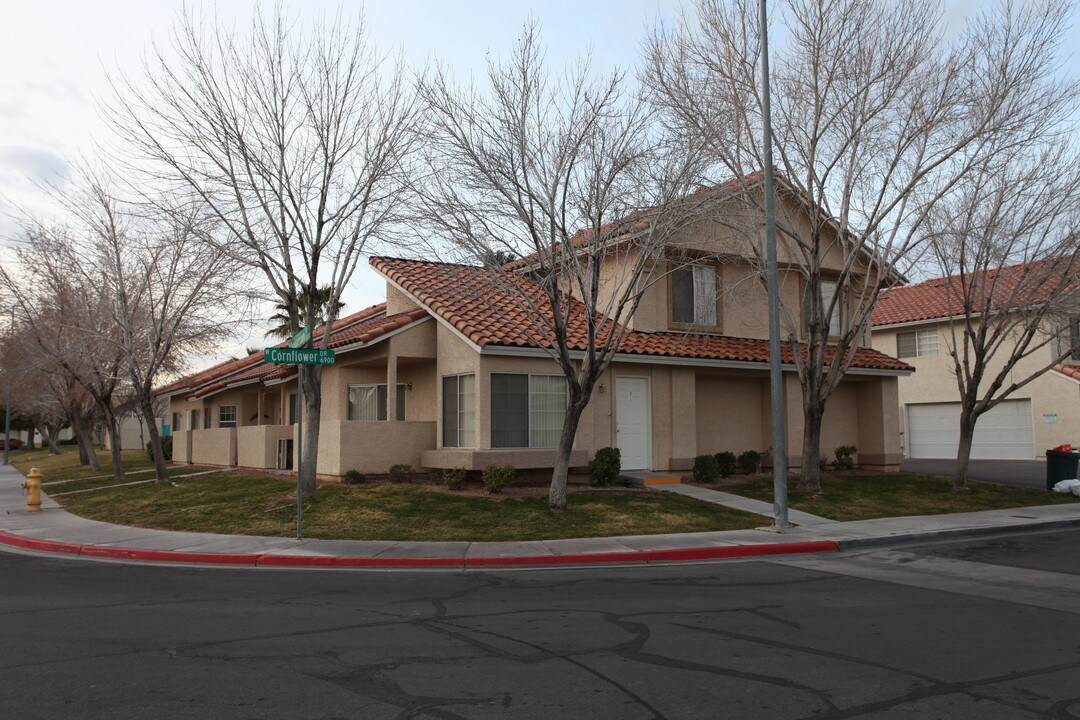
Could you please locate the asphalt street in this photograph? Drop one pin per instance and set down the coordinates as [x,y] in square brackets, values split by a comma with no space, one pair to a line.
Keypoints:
[987,629]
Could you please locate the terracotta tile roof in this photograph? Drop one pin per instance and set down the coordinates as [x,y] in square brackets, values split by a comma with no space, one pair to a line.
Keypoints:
[942,298]
[468,299]
[1069,371]
[361,327]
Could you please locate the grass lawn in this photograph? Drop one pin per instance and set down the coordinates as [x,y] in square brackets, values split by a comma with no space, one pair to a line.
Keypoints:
[66,465]
[234,503]
[863,497]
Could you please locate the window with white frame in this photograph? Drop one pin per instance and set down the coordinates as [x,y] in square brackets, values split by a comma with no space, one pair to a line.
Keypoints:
[367,402]
[459,411]
[694,295]
[175,422]
[527,410]
[828,292]
[196,419]
[1074,338]
[917,343]
[227,416]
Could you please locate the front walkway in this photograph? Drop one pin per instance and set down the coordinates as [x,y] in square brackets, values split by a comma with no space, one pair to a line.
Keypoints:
[58,531]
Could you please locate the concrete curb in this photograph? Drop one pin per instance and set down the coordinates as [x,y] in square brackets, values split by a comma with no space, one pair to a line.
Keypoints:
[957,534]
[460,563]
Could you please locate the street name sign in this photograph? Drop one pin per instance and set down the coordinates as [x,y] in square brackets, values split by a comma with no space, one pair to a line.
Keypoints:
[301,338]
[299,356]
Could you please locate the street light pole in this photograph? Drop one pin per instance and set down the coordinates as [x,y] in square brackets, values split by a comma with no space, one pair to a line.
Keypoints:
[776,378]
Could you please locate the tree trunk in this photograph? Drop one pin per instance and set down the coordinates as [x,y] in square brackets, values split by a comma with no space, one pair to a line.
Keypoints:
[30,435]
[81,428]
[312,415]
[557,491]
[50,438]
[112,427]
[810,474]
[161,471]
[963,451]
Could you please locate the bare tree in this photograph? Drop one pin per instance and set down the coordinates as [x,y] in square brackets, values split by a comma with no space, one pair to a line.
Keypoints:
[876,118]
[67,321]
[567,176]
[295,138]
[170,292]
[1007,241]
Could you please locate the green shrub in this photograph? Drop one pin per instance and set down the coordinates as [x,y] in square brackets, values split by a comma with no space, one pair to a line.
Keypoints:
[845,457]
[706,468]
[455,479]
[166,449]
[726,463]
[496,477]
[605,466]
[354,477]
[400,473]
[750,462]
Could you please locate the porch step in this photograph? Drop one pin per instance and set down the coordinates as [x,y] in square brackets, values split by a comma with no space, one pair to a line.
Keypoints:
[645,479]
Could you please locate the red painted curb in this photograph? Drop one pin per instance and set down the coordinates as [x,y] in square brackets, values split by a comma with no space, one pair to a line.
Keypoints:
[180,556]
[333,561]
[21,541]
[323,561]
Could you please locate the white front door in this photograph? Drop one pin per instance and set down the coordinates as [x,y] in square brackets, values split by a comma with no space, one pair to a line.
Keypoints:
[632,434]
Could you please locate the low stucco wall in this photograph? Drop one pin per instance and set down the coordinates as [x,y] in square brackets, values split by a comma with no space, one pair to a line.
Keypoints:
[256,446]
[372,447]
[522,459]
[216,446]
[181,448]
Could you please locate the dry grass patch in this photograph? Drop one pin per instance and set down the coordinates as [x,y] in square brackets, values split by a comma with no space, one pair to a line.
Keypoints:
[856,496]
[234,503]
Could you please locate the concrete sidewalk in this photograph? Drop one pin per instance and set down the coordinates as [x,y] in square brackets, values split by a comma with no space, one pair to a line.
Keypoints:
[57,531]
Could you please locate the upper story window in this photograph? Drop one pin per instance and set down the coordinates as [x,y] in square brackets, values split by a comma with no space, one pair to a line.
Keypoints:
[227,416]
[829,288]
[368,402]
[917,343]
[527,410]
[458,415]
[694,293]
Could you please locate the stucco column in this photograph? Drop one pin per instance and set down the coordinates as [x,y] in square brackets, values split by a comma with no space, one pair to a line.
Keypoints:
[391,388]
[793,418]
[879,424]
[683,418]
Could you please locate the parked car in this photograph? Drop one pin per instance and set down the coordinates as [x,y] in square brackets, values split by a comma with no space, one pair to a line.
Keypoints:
[12,444]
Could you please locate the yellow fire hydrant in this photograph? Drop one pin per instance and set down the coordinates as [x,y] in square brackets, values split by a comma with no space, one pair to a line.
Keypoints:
[33,490]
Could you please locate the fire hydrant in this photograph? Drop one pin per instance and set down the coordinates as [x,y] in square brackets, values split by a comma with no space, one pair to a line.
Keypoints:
[33,490]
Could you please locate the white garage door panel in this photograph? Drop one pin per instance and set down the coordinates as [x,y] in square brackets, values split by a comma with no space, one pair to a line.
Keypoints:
[1004,433]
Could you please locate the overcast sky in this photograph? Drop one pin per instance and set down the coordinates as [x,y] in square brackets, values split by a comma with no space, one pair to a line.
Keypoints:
[55,55]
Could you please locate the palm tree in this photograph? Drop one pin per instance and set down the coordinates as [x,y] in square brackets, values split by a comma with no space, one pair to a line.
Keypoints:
[281,317]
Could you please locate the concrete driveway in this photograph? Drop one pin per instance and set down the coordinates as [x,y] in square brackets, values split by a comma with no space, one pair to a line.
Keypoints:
[1028,473]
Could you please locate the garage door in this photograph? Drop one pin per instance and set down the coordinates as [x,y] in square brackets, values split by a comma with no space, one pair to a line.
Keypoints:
[1004,433]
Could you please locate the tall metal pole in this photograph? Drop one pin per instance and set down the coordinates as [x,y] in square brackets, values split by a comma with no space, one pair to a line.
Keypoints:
[776,378]
[299,448]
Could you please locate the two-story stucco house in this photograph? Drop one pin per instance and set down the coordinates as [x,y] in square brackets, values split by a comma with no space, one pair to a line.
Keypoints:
[446,373]
[916,323]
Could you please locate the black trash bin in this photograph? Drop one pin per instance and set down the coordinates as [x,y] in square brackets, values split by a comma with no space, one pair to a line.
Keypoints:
[1060,466]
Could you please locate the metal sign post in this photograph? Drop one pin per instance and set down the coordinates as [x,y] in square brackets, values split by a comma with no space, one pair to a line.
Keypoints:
[299,355]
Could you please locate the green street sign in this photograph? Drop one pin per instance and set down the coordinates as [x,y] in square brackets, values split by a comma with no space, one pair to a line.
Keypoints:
[299,356]
[301,337]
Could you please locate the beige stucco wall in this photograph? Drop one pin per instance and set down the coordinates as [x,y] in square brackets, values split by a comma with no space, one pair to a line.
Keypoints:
[256,446]
[216,446]
[732,412]
[372,447]
[934,381]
